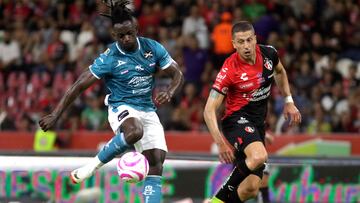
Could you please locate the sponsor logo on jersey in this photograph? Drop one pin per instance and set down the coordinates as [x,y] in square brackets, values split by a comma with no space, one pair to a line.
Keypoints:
[242,120]
[261,93]
[220,77]
[224,90]
[249,129]
[152,64]
[120,63]
[124,72]
[148,54]
[268,64]
[246,85]
[123,114]
[107,51]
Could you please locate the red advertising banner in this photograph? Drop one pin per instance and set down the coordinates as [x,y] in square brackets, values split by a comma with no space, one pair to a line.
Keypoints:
[191,141]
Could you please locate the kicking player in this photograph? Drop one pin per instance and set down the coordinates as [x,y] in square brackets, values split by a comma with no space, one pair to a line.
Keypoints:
[127,67]
[245,81]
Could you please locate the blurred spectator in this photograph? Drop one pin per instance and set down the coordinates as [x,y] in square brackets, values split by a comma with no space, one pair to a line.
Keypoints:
[222,40]
[253,10]
[195,59]
[194,24]
[56,57]
[9,52]
[94,117]
[319,123]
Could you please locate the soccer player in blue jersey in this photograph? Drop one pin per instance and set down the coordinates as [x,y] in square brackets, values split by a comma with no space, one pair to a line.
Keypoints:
[127,67]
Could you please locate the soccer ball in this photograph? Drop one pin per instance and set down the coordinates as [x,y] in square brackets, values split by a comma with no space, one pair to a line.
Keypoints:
[132,167]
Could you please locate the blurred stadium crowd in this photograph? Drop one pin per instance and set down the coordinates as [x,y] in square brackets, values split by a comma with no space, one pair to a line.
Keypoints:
[45,45]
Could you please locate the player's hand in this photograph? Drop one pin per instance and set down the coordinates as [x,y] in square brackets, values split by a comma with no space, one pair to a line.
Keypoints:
[226,153]
[48,122]
[292,114]
[163,97]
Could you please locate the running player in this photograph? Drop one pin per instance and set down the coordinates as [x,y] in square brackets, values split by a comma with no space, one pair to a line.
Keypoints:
[245,81]
[127,67]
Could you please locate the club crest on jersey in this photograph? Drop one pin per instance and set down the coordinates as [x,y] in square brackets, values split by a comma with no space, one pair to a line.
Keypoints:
[249,129]
[139,68]
[268,64]
[148,54]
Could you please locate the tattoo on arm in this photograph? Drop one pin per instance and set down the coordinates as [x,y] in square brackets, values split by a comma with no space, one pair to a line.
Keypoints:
[214,94]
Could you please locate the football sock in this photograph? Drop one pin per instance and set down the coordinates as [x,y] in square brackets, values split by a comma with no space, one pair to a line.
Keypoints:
[229,188]
[115,146]
[265,194]
[152,189]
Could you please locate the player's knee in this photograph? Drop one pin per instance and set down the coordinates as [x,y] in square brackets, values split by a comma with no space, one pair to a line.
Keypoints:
[155,168]
[257,160]
[134,134]
[249,191]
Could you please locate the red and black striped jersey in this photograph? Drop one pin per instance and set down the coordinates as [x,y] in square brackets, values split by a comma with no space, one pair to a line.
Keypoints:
[247,87]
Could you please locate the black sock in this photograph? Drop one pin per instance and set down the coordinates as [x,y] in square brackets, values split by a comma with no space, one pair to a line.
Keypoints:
[239,173]
[265,194]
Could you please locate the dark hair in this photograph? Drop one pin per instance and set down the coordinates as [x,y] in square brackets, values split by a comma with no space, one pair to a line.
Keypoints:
[241,26]
[117,11]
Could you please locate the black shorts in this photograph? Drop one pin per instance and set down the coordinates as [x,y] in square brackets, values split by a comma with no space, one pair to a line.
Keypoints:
[240,132]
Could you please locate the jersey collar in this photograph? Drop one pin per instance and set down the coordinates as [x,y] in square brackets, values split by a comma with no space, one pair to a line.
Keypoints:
[123,52]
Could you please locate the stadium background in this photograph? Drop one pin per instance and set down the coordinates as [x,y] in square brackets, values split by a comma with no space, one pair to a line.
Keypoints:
[44,46]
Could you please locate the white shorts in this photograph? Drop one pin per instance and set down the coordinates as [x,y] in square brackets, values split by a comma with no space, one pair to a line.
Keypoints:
[154,136]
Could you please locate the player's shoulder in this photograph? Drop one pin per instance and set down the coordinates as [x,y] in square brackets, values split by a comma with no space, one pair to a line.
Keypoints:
[108,55]
[148,43]
[231,61]
[265,48]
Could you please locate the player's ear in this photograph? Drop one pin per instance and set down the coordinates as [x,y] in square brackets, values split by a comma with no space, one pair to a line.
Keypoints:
[233,43]
[112,32]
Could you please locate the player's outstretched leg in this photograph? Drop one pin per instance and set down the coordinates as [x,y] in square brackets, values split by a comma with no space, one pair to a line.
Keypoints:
[115,146]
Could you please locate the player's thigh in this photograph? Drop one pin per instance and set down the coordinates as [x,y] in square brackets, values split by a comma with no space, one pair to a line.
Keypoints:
[256,150]
[250,184]
[154,136]
[118,115]
[241,136]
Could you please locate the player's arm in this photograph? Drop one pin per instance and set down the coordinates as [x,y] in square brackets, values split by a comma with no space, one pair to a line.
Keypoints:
[85,80]
[177,80]
[281,80]
[226,153]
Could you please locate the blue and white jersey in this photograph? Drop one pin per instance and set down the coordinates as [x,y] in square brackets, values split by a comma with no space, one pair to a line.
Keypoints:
[130,76]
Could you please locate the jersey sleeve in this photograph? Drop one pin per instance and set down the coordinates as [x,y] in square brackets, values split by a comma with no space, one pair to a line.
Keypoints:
[100,66]
[163,57]
[222,81]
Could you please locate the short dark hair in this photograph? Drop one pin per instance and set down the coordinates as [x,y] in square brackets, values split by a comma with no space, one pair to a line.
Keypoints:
[242,26]
[118,11]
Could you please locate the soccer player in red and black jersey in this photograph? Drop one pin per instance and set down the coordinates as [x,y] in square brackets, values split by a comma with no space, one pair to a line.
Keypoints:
[244,81]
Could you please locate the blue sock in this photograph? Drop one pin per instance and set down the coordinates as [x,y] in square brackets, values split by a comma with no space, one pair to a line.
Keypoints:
[152,189]
[115,146]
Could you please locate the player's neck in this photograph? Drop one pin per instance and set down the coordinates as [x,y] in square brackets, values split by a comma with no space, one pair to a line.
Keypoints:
[251,60]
